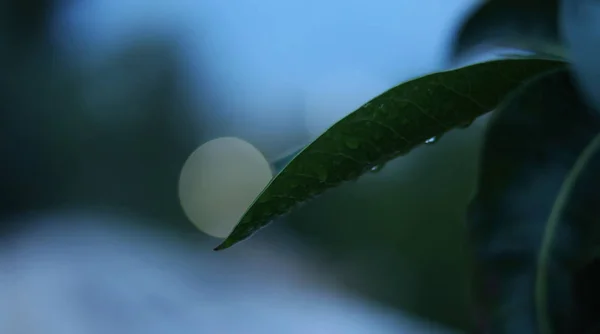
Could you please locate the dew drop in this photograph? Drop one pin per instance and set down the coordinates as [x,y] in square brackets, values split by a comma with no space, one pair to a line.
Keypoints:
[377,168]
[431,140]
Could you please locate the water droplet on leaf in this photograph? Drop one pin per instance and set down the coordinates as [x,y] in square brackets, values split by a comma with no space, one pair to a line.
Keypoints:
[377,168]
[431,140]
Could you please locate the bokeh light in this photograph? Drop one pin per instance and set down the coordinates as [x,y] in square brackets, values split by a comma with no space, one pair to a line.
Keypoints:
[219,181]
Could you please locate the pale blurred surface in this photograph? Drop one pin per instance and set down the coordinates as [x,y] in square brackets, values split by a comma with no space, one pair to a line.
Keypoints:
[90,273]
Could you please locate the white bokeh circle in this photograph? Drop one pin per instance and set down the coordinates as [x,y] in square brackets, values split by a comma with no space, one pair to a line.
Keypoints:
[219,181]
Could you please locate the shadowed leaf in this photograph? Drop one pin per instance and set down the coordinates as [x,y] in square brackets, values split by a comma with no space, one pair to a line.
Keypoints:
[530,25]
[533,218]
[580,27]
[390,125]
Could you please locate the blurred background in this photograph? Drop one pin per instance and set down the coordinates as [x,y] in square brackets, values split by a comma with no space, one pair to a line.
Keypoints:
[104,100]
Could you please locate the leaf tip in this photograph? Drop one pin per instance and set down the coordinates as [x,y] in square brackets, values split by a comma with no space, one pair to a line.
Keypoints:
[224,245]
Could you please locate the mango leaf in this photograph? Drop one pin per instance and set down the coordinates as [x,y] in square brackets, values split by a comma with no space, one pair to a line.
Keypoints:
[390,125]
[530,25]
[534,221]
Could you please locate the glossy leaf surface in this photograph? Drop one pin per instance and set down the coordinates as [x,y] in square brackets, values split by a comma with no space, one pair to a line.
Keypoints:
[388,126]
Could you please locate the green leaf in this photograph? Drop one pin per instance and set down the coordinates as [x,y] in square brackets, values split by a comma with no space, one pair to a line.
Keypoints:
[523,24]
[390,125]
[534,218]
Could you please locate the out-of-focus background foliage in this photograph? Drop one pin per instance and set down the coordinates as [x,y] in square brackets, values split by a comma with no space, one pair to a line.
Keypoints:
[103,101]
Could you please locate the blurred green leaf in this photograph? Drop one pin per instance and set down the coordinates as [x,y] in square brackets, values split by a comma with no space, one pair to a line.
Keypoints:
[390,125]
[523,24]
[533,220]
